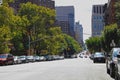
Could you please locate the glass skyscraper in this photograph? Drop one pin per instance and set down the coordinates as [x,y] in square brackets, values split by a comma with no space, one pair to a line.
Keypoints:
[65,19]
[97,20]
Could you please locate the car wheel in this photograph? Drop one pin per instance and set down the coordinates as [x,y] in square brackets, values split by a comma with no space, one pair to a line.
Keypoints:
[13,63]
[94,61]
[6,63]
[104,61]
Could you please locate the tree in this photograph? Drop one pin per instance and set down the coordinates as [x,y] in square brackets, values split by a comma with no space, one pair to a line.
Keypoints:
[40,19]
[94,44]
[6,28]
[54,42]
[72,46]
[110,33]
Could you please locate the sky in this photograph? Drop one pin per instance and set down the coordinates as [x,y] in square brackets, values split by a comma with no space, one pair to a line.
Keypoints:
[83,12]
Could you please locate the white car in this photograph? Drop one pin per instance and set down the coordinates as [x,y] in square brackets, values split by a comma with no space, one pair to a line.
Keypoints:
[17,60]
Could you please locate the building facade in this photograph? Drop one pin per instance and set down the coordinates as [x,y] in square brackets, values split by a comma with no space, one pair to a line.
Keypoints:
[110,12]
[97,20]
[65,19]
[46,3]
[79,32]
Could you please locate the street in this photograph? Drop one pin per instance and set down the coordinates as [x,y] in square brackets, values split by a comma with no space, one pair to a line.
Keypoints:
[67,69]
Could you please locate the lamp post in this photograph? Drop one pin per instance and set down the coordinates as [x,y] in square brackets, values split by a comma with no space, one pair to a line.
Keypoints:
[29,43]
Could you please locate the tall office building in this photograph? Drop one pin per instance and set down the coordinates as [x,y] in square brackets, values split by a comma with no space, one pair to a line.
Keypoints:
[65,19]
[46,3]
[97,20]
[79,32]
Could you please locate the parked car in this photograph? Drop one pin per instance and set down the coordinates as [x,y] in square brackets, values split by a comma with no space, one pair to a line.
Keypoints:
[30,58]
[24,59]
[74,56]
[61,57]
[117,67]
[91,56]
[37,58]
[57,57]
[99,57]
[6,59]
[112,63]
[42,58]
[17,60]
[81,56]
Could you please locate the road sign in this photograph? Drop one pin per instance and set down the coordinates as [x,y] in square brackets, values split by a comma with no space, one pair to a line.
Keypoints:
[112,44]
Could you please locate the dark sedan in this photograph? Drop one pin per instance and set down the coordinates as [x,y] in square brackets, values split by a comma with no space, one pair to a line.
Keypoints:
[99,57]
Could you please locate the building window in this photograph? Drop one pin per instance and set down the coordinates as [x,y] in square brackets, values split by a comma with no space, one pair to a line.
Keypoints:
[94,9]
[97,9]
[100,10]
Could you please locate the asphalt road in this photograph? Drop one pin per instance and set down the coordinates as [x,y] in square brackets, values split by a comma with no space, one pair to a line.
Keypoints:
[68,69]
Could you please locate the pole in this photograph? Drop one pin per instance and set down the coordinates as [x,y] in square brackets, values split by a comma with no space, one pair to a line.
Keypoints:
[29,43]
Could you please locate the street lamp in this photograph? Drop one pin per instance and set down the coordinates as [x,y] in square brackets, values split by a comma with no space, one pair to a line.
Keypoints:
[29,43]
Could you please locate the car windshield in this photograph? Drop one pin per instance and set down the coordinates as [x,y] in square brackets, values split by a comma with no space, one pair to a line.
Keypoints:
[22,56]
[99,55]
[116,53]
[3,56]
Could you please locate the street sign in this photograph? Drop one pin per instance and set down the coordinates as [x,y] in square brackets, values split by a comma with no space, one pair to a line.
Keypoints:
[112,44]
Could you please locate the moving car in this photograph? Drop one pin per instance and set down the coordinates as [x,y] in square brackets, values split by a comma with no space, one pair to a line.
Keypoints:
[6,59]
[99,57]
[113,63]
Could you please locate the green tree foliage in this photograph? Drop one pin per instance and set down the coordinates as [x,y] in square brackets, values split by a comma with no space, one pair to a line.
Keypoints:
[55,42]
[5,36]
[11,26]
[73,45]
[38,16]
[36,22]
[40,19]
[6,17]
[110,33]
[94,44]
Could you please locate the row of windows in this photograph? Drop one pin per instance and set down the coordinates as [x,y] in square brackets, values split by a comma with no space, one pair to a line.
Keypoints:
[98,17]
[98,9]
[98,27]
[96,33]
